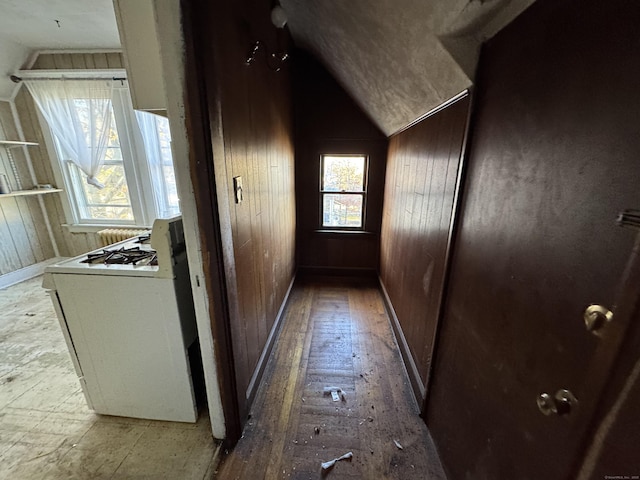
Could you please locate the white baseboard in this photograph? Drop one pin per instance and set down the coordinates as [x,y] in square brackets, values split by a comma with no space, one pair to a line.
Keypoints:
[26,273]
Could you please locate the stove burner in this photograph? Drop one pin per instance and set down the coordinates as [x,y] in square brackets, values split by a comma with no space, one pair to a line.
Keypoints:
[123,256]
[143,239]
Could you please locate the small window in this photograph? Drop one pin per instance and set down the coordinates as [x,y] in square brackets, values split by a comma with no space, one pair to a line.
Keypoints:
[343,191]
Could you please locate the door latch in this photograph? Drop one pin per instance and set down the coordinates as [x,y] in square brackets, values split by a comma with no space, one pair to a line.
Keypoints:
[629,218]
[562,403]
[596,317]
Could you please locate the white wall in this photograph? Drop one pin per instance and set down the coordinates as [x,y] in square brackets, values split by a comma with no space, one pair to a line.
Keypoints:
[168,18]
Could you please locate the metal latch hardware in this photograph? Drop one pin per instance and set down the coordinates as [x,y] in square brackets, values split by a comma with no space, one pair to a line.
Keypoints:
[629,218]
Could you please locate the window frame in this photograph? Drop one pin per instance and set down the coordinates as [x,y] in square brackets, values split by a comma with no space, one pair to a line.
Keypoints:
[82,203]
[362,193]
[134,161]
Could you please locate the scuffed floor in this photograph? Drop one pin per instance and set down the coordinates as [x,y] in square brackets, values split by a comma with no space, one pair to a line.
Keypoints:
[335,333]
[46,429]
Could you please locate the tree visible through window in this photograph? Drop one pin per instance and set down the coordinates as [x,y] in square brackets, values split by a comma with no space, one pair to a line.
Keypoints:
[111,202]
[343,190]
[135,181]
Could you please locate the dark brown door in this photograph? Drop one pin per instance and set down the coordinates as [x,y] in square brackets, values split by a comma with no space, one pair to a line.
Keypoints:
[553,160]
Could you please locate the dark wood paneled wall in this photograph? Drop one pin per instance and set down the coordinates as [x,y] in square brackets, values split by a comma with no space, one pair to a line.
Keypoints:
[248,124]
[422,173]
[554,149]
[328,121]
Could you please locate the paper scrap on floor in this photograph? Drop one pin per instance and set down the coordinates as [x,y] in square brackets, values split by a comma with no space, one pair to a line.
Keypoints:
[336,393]
[331,463]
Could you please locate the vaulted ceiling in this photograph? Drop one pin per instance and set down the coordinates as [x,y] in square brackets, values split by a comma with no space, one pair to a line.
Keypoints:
[397,58]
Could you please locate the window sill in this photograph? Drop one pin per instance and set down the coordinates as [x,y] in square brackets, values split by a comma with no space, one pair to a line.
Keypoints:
[92,228]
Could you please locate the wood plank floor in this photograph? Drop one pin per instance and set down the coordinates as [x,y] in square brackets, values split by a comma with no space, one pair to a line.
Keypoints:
[47,431]
[335,333]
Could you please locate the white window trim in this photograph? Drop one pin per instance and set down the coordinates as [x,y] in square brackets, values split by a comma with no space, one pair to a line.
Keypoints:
[364,194]
[141,199]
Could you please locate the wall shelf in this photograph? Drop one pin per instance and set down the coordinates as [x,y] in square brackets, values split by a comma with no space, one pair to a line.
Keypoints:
[9,145]
[16,143]
[35,191]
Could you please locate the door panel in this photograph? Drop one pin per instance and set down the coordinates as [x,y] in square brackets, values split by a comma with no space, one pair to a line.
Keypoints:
[554,159]
[613,446]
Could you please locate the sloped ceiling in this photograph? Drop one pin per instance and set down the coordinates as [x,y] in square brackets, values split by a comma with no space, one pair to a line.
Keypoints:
[399,59]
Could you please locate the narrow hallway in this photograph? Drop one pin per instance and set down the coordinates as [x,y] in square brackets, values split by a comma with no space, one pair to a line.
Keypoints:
[335,333]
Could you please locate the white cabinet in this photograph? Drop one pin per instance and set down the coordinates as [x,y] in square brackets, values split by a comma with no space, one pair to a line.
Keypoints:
[139,37]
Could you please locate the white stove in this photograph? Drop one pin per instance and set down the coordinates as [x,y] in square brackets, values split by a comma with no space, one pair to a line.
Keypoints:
[129,325]
[166,240]
[82,264]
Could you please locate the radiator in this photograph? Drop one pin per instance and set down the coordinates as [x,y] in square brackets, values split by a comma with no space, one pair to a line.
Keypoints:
[113,235]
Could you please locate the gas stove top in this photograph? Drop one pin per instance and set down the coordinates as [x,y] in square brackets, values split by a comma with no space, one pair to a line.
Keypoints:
[143,239]
[123,256]
[145,256]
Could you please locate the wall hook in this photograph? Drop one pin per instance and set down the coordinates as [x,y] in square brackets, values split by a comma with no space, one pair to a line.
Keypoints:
[280,57]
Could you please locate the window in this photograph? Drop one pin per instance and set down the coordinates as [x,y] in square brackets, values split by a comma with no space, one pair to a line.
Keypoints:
[343,185]
[133,150]
[111,203]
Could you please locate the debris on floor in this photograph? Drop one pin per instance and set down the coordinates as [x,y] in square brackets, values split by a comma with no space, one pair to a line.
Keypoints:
[368,419]
[331,463]
[398,444]
[336,393]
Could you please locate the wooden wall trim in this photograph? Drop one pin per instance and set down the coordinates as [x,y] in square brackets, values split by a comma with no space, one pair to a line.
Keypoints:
[254,383]
[423,181]
[241,119]
[338,271]
[203,179]
[419,389]
[433,111]
[453,228]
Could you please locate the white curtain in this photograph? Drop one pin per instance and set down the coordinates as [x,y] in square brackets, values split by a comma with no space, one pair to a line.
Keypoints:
[157,145]
[79,113]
